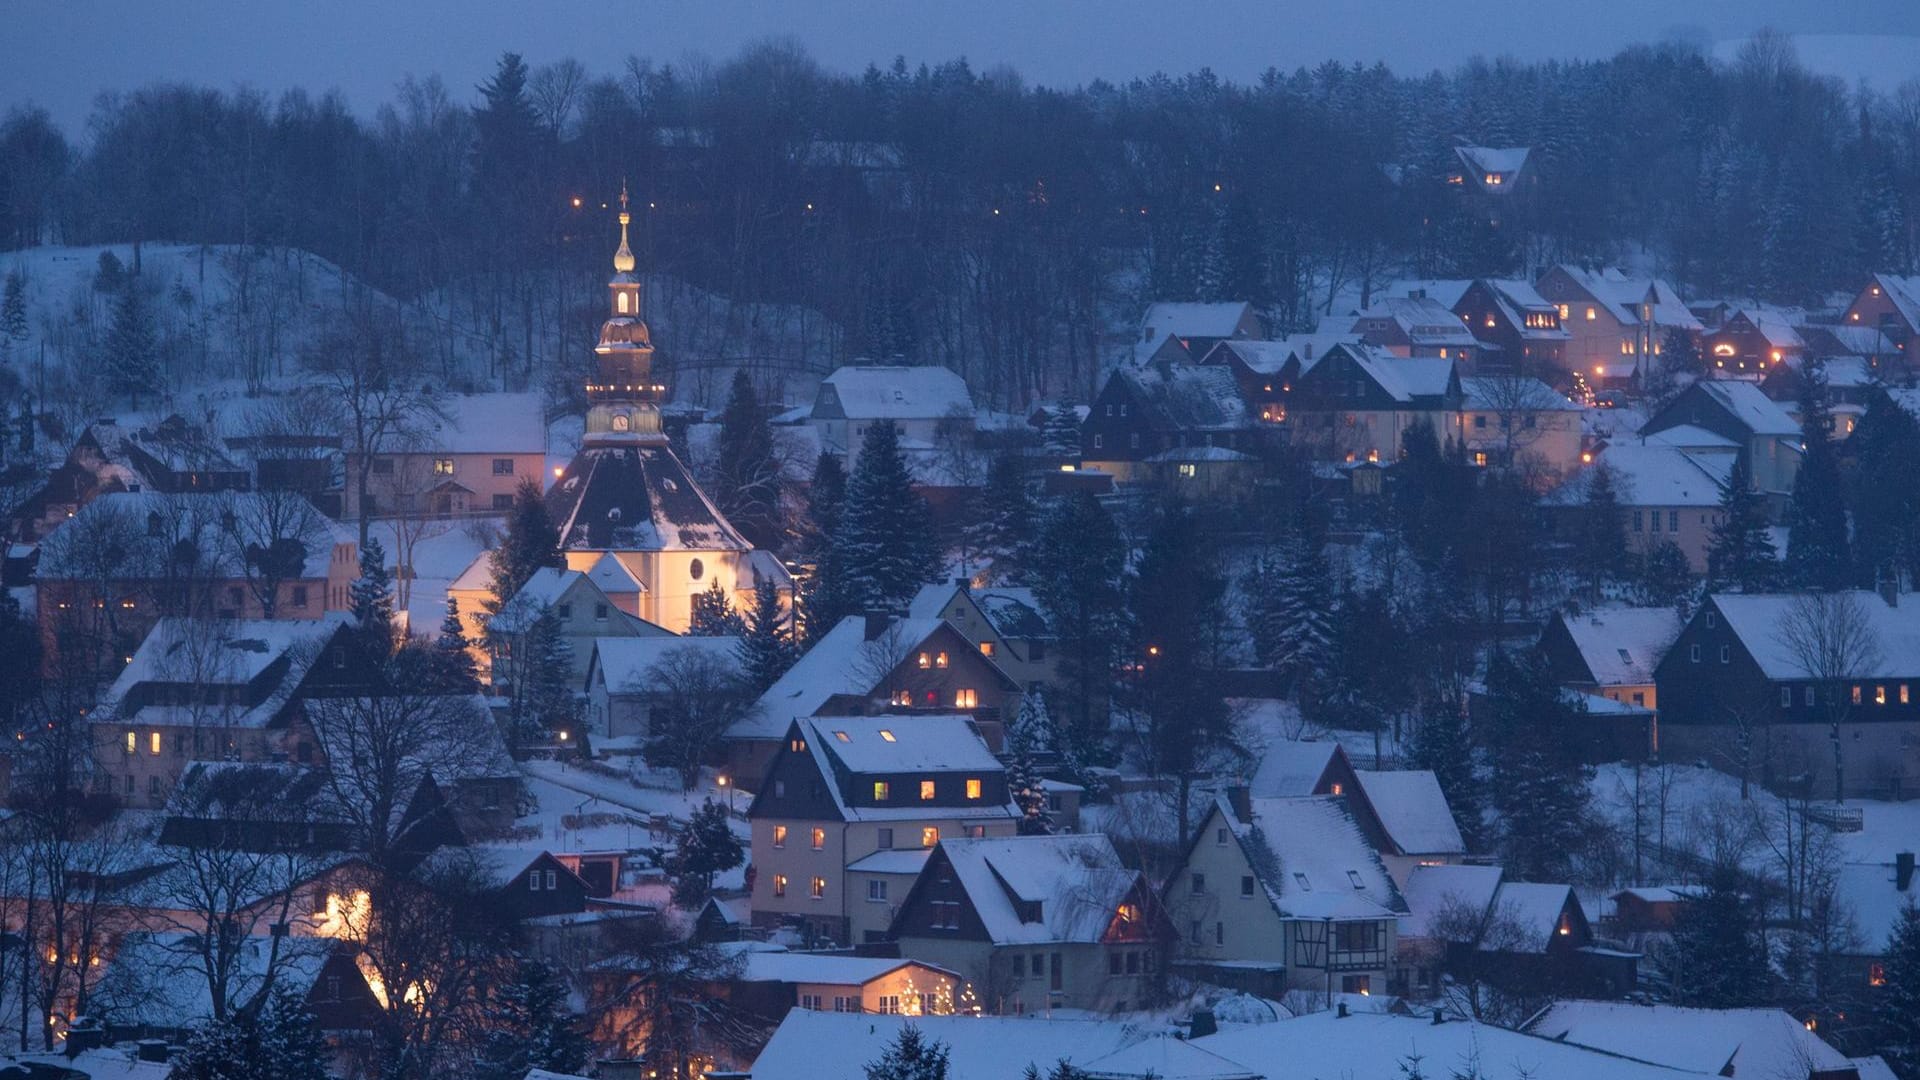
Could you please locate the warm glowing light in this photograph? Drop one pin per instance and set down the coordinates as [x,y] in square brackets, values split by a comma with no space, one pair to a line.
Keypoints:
[720,780]
[1586,457]
[1599,369]
[1153,650]
[576,202]
[558,471]
[563,736]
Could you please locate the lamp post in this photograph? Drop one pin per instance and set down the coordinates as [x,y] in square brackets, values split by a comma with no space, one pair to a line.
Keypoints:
[721,781]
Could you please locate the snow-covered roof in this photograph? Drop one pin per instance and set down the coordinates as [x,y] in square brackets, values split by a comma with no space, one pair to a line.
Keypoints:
[1202,320]
[1715,1042]
[833,970]
[1757,619]
[1327,1046]
[1625,295]
[892,861]
[1323,865]
[1291,767]
[1447,291]
[1075,881]
[1774,327]
[1651,473]
[842,662]
[488,424]
[1164,1057]
[1423,319]
[1406,377]
[872,392]
[1689,437]
[901,744]
[626,664]
[1192,454]
[612,576]
[1622,645]
[1015,612]
[147,530]
[1848,340]
[156,977]
[1661,894]
[1873,897]
[1187,397]
[1903,292]
[636,498]
[1761,414]
[1523,393]
[1530,914]
[1434,891]
[1506,161]
[217,658]
[1413,811]
[810,1044]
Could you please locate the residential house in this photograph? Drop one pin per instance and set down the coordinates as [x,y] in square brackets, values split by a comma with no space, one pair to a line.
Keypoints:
[1473,923]
[172,457]
[1265,370]
[773,981]
[1611,652]
[1666,494]
[1357,402]
[1518,330]
[1751,342]
[626,677]
[875,664]
[1036,923]
[1496,171]
[155,986]
[1518,420]
[584,615]
[473,589]
[471,459]
[1737,692]
[1705,1042]
[1184,332]
[929,405]
[1406,817]
[127,559]
[530,882]
[1004,622]
[1650,909]
[809,1045]
[1713,413]
[1415,325]
[1281,894]
[214,689]
[1291,767]
[1144,411]
[1875,888]
[1889,303]
[1852,382]
[843,789]
[1616,324]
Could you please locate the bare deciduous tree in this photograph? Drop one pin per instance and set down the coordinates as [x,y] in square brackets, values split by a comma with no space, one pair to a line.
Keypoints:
[1830,637]
[698,694]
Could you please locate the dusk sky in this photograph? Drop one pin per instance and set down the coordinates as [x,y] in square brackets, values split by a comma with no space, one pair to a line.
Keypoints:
[59,54]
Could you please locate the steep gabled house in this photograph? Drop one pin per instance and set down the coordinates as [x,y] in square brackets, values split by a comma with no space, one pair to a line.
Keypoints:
[1406,816]
[1518,329]
[1751,342]
[1004,622]
[1616,324]
[851,805]
[1037,923]
[172,457]
[1265,370]
[1497,171]
[1735,691]
[1282,894]
[1713,413]
[925,404]
[1417,325]
[584,613]
[773,981]
[876,664]
[1610,652]
[1889,303]
[1357,402]
[1180,333]
[1148,411]
[1294,767]
[626,677]
[1472,922]
[1875,891]
[1665,494]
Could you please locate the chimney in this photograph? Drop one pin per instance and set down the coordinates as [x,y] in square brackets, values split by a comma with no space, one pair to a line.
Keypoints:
[876,623]
[1439,1016]
[1203,1024]
[1903,870]
[1240,801]
[1340,1010]
[151,1050]
[1889,586]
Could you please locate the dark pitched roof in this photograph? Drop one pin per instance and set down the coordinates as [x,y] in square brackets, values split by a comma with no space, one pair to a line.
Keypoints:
[1187,397]
[636,498]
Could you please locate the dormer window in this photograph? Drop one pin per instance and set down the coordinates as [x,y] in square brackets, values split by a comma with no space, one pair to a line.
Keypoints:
[886,735]
[1300,879]
[1354,876]
[881,791]
[926,790]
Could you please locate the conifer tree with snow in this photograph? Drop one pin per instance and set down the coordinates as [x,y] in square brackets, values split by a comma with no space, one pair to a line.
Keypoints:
[766,641]
[884,548]
[1443,743]
[1818,556]
[1885,493]
[1009,520]
[1078,568]
[1290,605]
[532,543]
[910,1056]
[132,346]
[822,601]
[747,473]
[1030,735]
[1741,555]
[707,847]
[1601,544]
[1896,1005]
[541,701]
[713,614]
[1718,957]
[1060,432]
[274,1040]
[530,1025]
[372,595]
[13,309]
[1540,783]
[454,669]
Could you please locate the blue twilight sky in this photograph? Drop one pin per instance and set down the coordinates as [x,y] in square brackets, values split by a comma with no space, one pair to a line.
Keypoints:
[60,53]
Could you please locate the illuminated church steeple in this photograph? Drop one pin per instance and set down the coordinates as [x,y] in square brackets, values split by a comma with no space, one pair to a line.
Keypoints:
[625,399]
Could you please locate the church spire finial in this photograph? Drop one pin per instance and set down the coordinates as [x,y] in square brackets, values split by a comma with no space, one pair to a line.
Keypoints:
[623,258]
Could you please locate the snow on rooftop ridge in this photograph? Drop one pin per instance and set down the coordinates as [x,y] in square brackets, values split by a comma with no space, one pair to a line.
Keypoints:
[1076,880]
[1756,619]
[877,392]
[1734,1042]
[626,664]
[902,744]
[845,661]
[1324,866]
[1434,893]
[1291,767]
[501,423]
[1219,319]
[1622,645]
[1413,810]
[810,1044]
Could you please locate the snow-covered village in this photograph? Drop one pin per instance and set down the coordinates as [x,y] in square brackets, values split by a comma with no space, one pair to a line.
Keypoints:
[892,542]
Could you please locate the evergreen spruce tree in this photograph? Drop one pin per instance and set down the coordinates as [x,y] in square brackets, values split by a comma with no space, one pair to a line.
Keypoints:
[1077,579]
[1663,578]
[1030,735]
[531,1026]
[1741,556]
[766,645]
[885,547]
[13,309]
[1600,546]
[372,595]
[454,669]
[1060,435]
[713,614]
[748,479]
[1817,547]
[707,847]
[1539,780]
[1292,618]
[275,1040]
[1443,743]
[1009,519]
[823,599]
[542,702]
[1885,492]
[532,543]
[910,1056]
[1718,958]
[1896,1005]
[133,347]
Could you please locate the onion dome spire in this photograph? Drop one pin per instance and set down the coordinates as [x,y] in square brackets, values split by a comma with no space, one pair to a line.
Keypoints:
[623,258]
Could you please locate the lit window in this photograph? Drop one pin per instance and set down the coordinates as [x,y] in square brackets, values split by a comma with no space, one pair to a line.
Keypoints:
[779,884]
[1480,457]
[986,648]
[1903,693]
[1591,314]
[965,699]
[1856,695]
[1338,788]
[926,661]
[881,791]
[926,789]
[973,788]
[1564,313]
[929,836]
[443,466]
[133,743]
[1879,695]
[819,838]
[798,746]
[886,735]
[779,836]
[621,302]
[1188,471]
[843,736]
[900,697]
[940,660]
[1876,975]
[819,888]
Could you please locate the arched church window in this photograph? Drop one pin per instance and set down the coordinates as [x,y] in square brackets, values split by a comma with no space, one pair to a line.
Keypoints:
[695,569]
[623,303]
[620,421]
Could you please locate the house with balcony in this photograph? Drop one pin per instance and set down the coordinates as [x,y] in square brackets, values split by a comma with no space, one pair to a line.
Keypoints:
[851,806]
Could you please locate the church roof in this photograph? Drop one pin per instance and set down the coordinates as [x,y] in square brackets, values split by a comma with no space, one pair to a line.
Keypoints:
[636,498]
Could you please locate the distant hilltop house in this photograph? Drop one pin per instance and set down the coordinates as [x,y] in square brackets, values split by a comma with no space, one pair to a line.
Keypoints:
[1490,170]
[469,462]
[1183,332]
[1889,303]
[1616,323]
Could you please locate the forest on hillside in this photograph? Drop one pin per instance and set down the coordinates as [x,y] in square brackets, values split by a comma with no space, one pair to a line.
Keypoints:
[941,214]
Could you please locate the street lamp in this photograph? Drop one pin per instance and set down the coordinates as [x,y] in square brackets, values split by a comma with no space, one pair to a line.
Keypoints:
[721,781]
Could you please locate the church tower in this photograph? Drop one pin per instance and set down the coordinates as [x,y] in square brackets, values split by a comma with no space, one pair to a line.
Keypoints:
[625,409]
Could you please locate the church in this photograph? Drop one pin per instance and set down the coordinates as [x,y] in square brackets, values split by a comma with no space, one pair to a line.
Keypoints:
[628,496]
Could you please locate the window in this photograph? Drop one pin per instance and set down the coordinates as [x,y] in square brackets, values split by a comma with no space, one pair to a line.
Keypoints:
[930,836]
[779,836]
[1198,885]
[1693,653]
[1133,966]
[881,791]
[900,697]
[886,839]
[1655,523]
[1808,697]
[383,466]
[876,892]
[926,661]
[1018,964]
[1246,885]
[1876,975]
[566,611]
[133,742]
[599,613]
[890,1004]
[503,466]
[1096,442]
[533,881]
[1354,877]
[1220,836]
[818,889]
[553,880]
[846,1004]
[1113,963]
[819,838]
[1786,697]
[1879,695]
[965,698]
[1726,654]
[1188,471]
[1903,693]
[886,735]
[940,660]
[1355,936]
[1194,932]
[1673,521]
[695,569]
[807,1001]
[1480,458]
[299,596]
[1356,984]
[926,790]
[1591,314]
[1133,440]
[1480,422]
[1856,693]
[1219,933]
[154,742]
[503,502]
[986,648]
[443,466]
[780,787]
[973,787]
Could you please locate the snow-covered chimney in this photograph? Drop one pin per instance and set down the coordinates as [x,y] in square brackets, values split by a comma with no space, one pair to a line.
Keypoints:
[1903,870]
